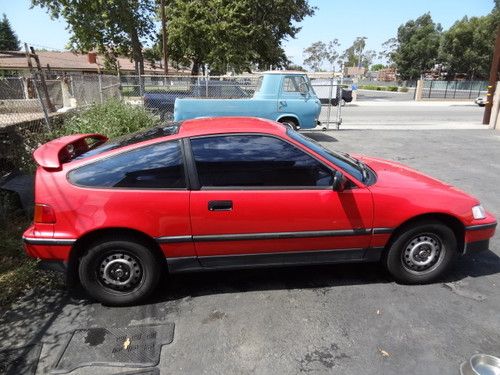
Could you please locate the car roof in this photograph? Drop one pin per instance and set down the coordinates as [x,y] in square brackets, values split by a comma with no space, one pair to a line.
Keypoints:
[219,125]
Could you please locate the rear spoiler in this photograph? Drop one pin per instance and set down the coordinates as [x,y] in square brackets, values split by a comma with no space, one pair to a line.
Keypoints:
[62,150]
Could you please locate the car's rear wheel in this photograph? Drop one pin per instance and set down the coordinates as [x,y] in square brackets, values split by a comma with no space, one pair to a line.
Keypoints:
[421,252]
[119,272]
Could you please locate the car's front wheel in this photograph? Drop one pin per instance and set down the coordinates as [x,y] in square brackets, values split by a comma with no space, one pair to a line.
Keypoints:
[421,252]
[119,272]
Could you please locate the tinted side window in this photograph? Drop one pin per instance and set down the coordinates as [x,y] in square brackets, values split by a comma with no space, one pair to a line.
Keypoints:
[155,166]
[255,161]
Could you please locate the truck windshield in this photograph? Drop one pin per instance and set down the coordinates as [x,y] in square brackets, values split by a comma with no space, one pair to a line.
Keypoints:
[347,163]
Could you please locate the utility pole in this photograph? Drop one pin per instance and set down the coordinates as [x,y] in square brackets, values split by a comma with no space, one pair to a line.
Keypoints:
[494,70]
[164,36]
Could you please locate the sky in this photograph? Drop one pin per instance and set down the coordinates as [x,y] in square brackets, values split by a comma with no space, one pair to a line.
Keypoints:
[344,20]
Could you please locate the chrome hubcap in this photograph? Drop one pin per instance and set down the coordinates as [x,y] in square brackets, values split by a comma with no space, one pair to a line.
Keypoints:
[120,271]
[422,253]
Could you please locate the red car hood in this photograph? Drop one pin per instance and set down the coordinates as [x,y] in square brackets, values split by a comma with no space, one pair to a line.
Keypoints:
[391,174]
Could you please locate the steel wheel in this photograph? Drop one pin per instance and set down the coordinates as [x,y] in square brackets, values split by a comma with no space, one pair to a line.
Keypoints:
[422,253]
[120,271]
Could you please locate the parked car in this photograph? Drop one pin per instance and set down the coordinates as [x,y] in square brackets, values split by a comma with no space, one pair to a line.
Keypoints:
[481,101]
[282,96]
[231,193]
[162,100]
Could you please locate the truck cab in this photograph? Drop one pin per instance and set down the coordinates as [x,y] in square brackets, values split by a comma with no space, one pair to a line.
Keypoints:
[282,96]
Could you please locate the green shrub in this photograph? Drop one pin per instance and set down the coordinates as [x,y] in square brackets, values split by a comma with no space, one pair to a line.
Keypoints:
[112,119]
[392,88]
[403,89]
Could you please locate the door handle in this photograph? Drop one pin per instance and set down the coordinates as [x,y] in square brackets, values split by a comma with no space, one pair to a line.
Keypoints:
[220,205]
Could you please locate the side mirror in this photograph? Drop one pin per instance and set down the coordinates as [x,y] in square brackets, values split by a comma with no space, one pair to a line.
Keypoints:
[304,89]
[339,181]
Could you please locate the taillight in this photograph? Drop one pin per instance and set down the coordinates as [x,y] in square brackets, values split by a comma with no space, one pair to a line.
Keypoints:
[44,214]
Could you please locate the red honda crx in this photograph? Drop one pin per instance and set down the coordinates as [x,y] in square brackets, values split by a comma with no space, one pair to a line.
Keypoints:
[226,193]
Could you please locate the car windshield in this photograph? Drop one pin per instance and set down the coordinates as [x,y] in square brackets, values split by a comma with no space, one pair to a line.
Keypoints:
[129,139]
[344,161]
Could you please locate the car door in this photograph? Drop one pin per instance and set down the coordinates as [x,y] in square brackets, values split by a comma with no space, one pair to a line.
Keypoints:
[294,102]
[262,200]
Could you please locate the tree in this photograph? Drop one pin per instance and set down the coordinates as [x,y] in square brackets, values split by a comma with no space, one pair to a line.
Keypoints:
[295,67]
[111,27]
[8,39]
[353,56]
[232,35]
[319,52]
[417,46]
[377,67]
[314,55]
[467,47]
[388,49]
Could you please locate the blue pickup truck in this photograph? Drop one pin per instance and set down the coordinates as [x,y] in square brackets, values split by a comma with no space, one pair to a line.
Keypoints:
[162,101]
[281,96]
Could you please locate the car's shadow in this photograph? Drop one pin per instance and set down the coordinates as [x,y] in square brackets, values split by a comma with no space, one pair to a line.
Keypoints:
[179,286]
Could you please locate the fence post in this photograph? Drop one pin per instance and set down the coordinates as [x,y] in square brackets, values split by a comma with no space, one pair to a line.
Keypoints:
[430,90]
[339,107]
[446,90]
[99,80]
[419,90]
[455,91]
[141,85]
[329,104]
[44,108]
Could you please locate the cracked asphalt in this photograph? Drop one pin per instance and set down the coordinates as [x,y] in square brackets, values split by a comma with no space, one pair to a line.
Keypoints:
[345,319]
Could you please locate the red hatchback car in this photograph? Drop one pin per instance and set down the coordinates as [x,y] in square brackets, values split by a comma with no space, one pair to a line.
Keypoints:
[225,193]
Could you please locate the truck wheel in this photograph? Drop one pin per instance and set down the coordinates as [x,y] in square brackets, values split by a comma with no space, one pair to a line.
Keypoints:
[292,123]
[421,253]
[119,272]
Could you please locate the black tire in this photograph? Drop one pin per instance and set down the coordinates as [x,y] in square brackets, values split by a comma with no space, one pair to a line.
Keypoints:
[99,266]
[434,240]
[292,123]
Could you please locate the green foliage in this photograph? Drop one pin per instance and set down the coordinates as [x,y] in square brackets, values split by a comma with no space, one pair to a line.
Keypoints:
[232,34]
[298,68]
[467,47]
[383,88]
[417,46]
[319,52]
[377,67]
[112,118]
[356,55]
[403,89]
[116,27]
[372,87]
[8,39]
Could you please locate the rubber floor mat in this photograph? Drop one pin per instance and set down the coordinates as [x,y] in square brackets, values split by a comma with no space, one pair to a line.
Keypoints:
[23,360]
[134,346]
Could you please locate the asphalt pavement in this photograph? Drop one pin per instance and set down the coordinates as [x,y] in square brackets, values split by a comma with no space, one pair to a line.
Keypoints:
[342,319]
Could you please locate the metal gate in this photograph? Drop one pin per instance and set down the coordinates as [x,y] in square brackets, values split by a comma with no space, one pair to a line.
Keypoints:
[453,89]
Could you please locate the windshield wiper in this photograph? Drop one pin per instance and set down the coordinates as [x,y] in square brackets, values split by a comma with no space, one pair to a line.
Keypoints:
[364,169]
[362,166]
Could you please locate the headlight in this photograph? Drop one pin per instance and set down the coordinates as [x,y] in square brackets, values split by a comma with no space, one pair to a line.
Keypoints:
[478,212]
